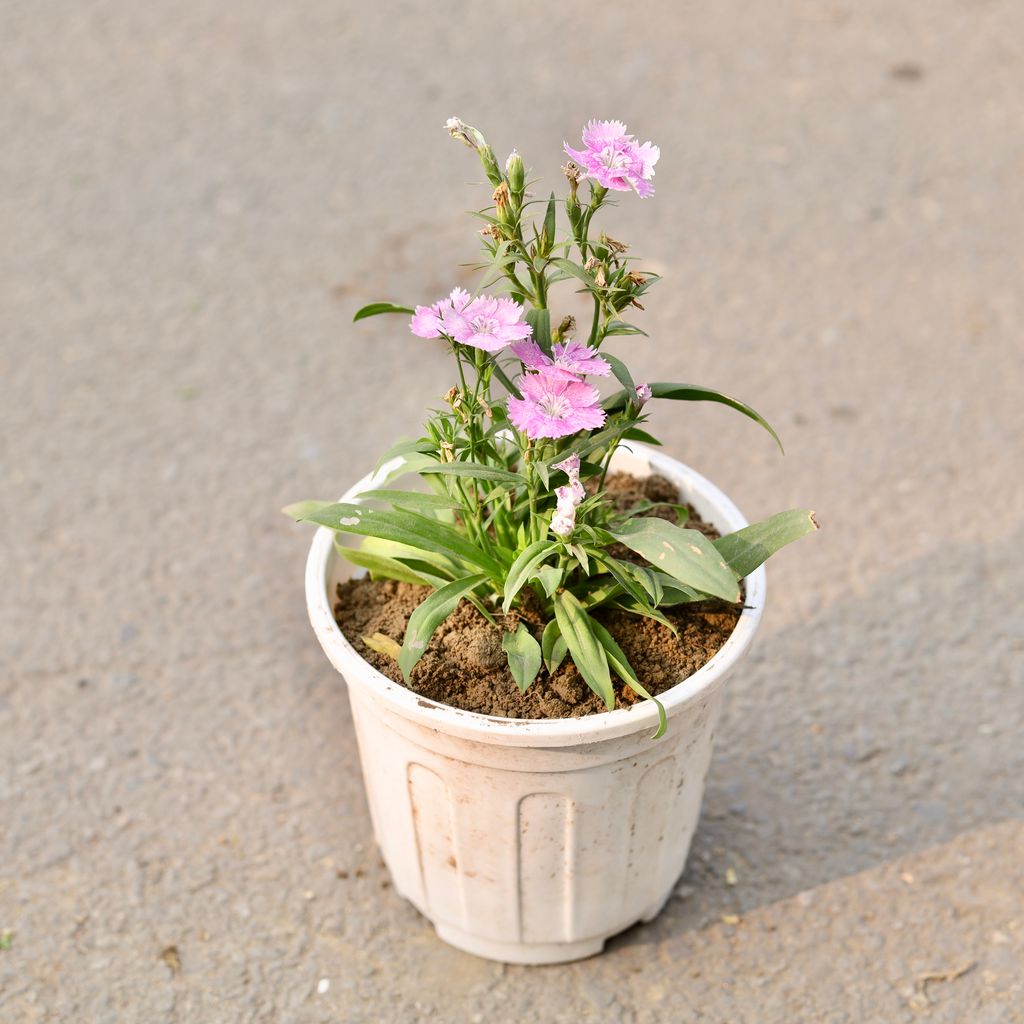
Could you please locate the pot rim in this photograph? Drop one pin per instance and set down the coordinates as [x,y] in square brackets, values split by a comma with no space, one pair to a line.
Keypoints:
[532,732]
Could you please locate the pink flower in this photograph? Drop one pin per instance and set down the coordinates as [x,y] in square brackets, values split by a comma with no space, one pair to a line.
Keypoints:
[432,321]
[554,408]
[489,323]
[563,522]
[572,359]
[616,160]
[643,394]
[571,467]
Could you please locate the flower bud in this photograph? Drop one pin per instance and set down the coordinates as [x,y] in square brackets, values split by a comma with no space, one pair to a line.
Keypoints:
[515,172]
[643,394]
[467,134]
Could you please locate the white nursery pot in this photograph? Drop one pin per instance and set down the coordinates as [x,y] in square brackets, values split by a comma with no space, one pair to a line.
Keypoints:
[532,841]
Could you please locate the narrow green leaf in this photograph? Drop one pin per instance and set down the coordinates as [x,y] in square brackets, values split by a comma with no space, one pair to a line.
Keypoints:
[746,549]
[380,565]
[686,555]
[476,470]
[625,579]
[524,656]
[540,321]
[523,568]
[415,500]
[621,327]
[376,308]
[420,444]
[621,371]
[552,646]
[693,393]
[620,665]
[548,235]
[635,434]
[419,532]
[428,616]
[627,604]
[301,510]
[574,270]
[587,653]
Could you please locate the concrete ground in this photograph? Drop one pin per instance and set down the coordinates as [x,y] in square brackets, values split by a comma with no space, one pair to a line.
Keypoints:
[194,198]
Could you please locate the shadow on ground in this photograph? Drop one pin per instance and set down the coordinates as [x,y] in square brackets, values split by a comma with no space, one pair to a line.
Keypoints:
[887,723]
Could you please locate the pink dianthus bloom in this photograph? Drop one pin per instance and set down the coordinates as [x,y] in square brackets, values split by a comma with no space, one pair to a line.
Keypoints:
[489,323]
[554,408]
[616,160]
[433,321]
[572,359]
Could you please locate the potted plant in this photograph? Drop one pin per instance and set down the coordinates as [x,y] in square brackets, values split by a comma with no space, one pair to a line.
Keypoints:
[529,836]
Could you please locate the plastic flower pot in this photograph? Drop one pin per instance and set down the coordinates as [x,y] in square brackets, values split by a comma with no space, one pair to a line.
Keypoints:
[534,841]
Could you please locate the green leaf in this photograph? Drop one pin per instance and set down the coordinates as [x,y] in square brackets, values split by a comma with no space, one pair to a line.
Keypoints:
[587,653]
[574,270]
[693,393]
[620,665]
[381,565]
[476,470]
[301,510]
[523,568]
[524,656]
[627,604]
[622,374]
[376,308]
[625,579]
[579,552]
[415,500]
[540,321]
[553,647]
[746,549]
[621,327]
[420,444]
[416,531]
[428,616]
[548,234]
[686,555]
[550,577]
[635,434]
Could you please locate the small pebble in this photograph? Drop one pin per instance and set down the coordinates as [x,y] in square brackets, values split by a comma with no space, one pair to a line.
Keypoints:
[322,986]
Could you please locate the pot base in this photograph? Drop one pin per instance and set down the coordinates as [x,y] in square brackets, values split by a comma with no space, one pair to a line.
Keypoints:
[520,952]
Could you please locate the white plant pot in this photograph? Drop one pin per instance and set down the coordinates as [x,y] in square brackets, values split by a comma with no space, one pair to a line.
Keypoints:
[532,841]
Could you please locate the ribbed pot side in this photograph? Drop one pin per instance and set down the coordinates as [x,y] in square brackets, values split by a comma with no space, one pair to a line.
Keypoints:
[534,841]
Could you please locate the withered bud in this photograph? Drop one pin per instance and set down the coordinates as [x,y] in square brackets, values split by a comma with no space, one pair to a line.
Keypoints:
[567,326]
[501,196]
[574,175]
[447,451]
[612,245]
[592,264]
[599,277]
[636,279]
[450,395]
[492,231]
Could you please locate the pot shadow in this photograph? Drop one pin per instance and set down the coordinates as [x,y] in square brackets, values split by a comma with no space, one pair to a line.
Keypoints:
[887,723]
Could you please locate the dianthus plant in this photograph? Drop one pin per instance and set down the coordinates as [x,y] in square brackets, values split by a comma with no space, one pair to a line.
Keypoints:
[515,518]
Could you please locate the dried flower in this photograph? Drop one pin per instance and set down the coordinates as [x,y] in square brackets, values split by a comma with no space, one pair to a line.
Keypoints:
[615,159]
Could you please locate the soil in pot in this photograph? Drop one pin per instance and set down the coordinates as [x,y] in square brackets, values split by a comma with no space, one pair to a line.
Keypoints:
[465,667]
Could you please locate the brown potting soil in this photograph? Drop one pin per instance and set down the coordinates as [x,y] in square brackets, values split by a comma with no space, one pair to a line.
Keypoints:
[465,667]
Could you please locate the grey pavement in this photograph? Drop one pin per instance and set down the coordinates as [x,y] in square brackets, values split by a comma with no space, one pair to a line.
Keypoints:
[194,198]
